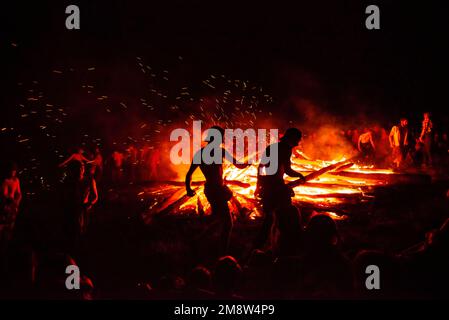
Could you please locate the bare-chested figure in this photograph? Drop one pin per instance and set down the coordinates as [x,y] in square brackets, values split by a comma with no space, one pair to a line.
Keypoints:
[366,146]
[217,193]
[271,188]
[78,196]
[97,165]
[10,198]
[399,142]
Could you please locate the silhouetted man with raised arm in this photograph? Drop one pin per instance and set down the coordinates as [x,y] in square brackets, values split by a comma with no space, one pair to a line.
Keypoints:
[217,193]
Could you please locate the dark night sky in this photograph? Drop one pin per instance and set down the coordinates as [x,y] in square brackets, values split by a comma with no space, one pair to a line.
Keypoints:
[316,49]
[403,64]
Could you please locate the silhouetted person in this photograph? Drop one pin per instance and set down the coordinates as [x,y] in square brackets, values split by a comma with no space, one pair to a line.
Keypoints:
[426,139]
[199,284]
[97,165]
[79,194]
[327,272]
[226,278]
[400,142]
[257,274]
[217,193]
[366,146]
[77,156]
[10,198]
[287,232]
[271,188]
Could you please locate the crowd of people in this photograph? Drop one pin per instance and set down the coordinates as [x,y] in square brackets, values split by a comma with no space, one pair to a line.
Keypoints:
[291,257]
[403,147]
[128,165]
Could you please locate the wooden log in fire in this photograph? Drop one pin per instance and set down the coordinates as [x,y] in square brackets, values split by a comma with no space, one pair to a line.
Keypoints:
[332,195]
[201,183]
[318,173]
[390,178]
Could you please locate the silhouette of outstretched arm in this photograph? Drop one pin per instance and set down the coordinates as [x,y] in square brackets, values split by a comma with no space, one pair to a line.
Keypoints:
[74,157]
[286,163]
[64,163]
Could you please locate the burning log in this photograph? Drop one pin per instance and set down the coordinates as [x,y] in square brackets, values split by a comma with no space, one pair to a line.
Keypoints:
[317,173]
[201,183]
[237,183]
[396,178]
[333,195]
[344,167]
[174,201]
[331,185]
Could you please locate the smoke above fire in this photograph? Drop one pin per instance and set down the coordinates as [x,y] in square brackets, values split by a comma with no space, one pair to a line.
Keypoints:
[324,137]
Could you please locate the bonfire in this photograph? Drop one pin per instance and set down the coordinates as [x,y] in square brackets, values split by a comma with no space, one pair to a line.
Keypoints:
[333,187]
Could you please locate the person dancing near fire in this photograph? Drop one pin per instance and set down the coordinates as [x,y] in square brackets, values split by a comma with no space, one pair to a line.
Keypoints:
[10,198]
[217,193]
[426,138]
[366,146]
[77,156]
[400,143]
[271,188]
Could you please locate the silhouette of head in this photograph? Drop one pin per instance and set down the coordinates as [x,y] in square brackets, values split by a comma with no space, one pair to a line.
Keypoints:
[227,274]
[200,278]
[321,231]
[292,137]
[404,122]
[213,131]
[10,170]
